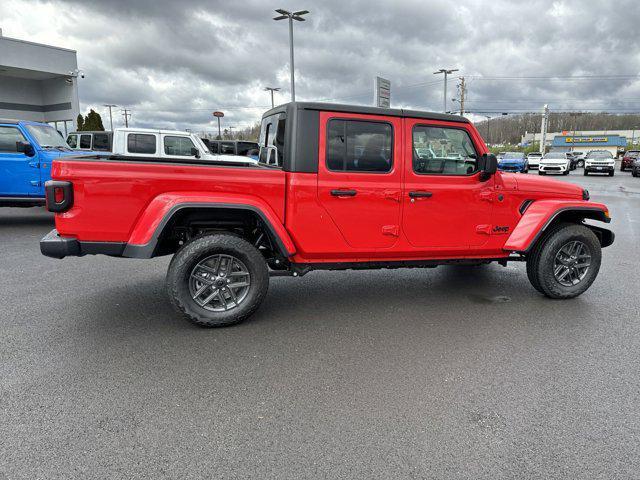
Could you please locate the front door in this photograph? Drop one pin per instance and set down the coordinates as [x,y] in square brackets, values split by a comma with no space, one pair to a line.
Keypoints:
[359,177]
[19,174]
[445,203]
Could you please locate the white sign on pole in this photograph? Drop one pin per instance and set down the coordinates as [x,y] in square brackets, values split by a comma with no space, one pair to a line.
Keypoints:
[382,93]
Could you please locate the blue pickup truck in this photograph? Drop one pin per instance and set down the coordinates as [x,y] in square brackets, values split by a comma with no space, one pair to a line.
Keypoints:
[26,152]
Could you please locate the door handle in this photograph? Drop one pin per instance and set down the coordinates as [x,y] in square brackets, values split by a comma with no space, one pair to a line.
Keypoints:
[420,194]
[343,193]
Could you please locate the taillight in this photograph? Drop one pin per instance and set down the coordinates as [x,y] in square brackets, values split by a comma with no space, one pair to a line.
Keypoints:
[59,195]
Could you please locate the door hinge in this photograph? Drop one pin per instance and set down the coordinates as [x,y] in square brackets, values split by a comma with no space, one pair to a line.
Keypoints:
[486,195]
[35,183]
[484,229]
[391,230]
[34,164]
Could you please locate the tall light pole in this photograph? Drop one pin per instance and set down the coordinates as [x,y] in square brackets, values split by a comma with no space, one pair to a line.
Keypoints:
[272,89]
[633,135]
[218,115]
[110,106]
[284,15]
[446,73]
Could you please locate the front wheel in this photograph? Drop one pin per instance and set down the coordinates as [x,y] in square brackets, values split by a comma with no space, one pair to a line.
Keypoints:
[217,280]
[611,173]
[566,263]
[585,173]
[580,164]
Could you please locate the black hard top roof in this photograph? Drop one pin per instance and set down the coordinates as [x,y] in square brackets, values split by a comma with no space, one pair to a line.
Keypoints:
[390,112]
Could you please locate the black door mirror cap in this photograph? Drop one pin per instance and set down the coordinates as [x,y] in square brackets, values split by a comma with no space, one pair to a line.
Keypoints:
[26,148]
[488,166]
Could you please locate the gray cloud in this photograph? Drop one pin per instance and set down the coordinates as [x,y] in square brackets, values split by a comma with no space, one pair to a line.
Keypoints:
[172,63]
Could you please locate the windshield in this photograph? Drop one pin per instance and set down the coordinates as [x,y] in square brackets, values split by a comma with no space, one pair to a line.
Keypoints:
[47,137]
[555,155]
[513,156]
[599,155]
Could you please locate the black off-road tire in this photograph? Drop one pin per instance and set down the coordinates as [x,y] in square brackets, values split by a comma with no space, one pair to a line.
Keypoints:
[184,261]
[540,261]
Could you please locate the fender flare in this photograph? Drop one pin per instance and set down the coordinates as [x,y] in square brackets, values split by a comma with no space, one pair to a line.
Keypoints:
[541,214]
[149,227]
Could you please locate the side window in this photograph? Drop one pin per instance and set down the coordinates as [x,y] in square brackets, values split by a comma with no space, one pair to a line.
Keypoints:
[72,141]
[179,146]
[85,142]
[214,147]
[272,133]
[244,148]
[101,142]
[8,138]
[141,143]
[227,148]
[443,151]
[359,146]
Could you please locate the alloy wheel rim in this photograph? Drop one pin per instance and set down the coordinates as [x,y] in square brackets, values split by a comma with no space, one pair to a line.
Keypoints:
[572,263]
[219,283]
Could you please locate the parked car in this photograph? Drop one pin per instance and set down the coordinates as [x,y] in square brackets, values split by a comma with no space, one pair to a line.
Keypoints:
[168,144]
[555,162]
[513,162]
[627,160]
[534,159]
[599,161]
[579,158]
[635,168]
[98,141]
[233,147]
[302,208]
[573,161]
[26,152]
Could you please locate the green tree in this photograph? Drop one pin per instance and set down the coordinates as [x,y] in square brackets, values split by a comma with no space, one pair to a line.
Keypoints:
[93,121]
[80,122]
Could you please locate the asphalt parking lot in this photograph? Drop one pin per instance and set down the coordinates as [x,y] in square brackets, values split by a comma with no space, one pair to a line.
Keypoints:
[445,373]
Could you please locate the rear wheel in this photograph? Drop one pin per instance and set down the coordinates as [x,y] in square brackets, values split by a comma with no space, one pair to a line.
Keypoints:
[634,173]
[565,262]
[580,163]
[217,280]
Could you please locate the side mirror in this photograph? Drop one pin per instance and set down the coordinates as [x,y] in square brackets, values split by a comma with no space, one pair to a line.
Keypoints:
[26,148]
[488,166]
[195,152]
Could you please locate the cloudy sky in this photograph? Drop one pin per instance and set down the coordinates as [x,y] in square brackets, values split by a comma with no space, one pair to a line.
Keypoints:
[174,62]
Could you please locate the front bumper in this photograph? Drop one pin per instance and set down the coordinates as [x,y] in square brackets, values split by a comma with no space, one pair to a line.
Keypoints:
[553,168]
[56,246]
[511,168]
[599,168]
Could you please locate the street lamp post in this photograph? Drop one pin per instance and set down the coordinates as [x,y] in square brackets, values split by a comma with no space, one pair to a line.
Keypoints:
[272,89]
[633,135]
[285,15]
[446,73]
[219,115]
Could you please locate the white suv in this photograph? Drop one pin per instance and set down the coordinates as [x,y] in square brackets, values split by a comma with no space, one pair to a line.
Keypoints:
[534,159]
[599,161]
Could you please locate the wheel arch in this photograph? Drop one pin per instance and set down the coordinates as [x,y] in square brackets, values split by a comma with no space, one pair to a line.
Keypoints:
[214,212]
[538,219]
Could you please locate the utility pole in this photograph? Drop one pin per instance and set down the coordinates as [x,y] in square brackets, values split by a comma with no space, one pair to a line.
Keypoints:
[126,114]
[284,15]
[272,89]
[446,73]
[110,106]
[543,129]
[463,92]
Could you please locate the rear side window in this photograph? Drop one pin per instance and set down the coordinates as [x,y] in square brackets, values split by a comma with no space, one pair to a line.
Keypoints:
[85,141]
[72,141]
[180,146]
[359,146]
[8,138]
[272,134]
[101,142]
[213,148]
[227,148]
[141,143]
[246,148]
[443,151]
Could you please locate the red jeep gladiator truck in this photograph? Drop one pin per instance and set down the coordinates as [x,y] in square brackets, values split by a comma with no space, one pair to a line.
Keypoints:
[337,187]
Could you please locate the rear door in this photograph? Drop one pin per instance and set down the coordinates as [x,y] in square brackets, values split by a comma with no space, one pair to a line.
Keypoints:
[446,205]
[359,177]
[19,174]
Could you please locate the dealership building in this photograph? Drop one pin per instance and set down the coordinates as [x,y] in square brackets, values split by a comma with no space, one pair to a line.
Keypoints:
[38,82]
[586,143]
